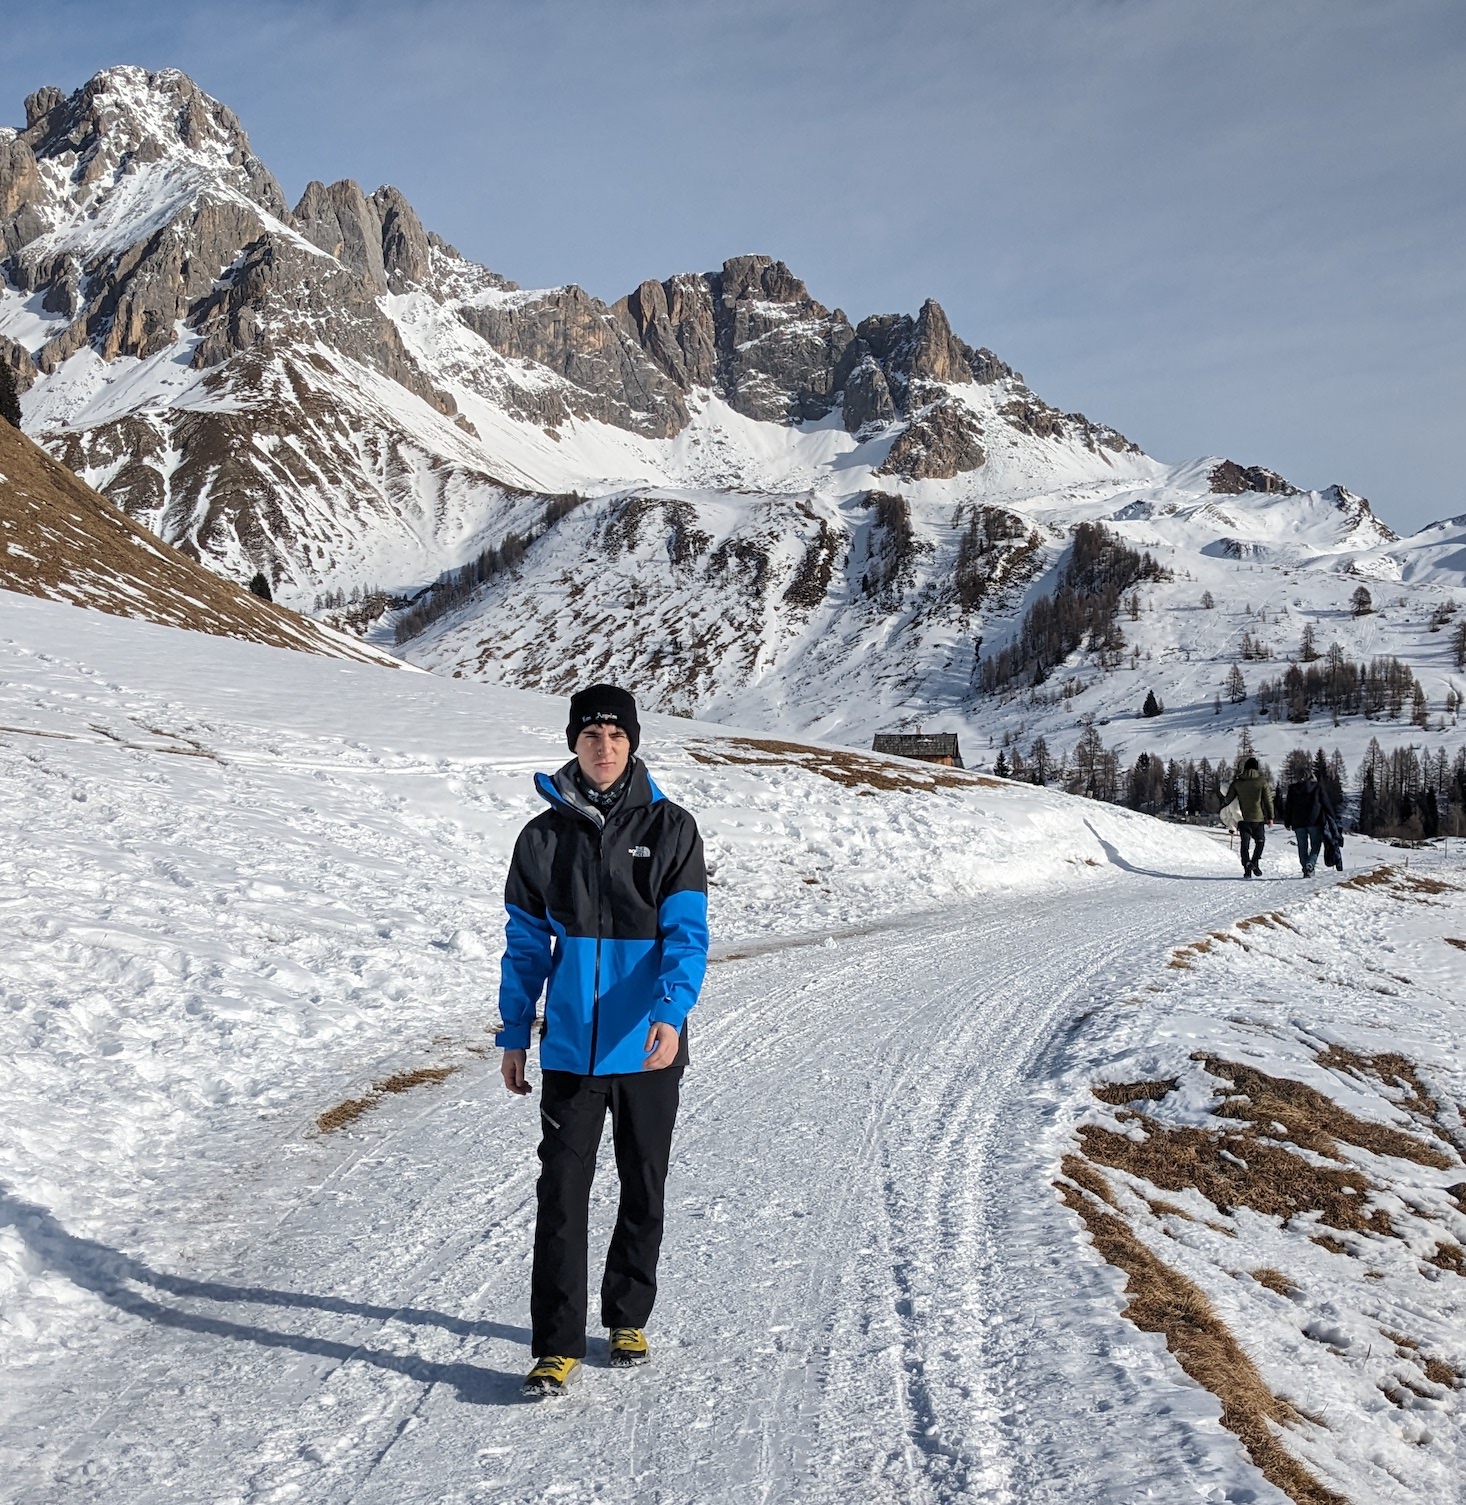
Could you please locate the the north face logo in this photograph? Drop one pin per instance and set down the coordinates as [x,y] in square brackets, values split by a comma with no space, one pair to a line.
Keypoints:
[640,851]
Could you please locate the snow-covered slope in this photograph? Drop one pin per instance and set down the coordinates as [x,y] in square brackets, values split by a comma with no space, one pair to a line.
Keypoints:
[265,1208]
[789,519]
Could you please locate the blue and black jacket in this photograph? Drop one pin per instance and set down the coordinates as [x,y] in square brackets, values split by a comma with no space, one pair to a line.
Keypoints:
[613,912]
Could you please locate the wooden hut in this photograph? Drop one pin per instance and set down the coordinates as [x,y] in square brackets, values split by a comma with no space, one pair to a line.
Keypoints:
[933,747]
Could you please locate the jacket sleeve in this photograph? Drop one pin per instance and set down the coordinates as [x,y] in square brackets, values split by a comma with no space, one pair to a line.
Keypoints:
[682,929]
[527,952]
[1267,800]
[1231,793]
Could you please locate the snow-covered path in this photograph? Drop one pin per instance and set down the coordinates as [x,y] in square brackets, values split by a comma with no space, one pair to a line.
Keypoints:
[870,1292]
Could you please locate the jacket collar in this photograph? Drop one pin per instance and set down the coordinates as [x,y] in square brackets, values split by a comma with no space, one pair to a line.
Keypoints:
[561,792]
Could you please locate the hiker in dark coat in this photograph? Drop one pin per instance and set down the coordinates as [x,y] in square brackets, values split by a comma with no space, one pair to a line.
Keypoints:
[1254,797]
[608,918]
[1305,810]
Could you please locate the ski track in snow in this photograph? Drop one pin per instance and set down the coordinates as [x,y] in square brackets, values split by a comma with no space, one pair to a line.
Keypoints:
[863,1285]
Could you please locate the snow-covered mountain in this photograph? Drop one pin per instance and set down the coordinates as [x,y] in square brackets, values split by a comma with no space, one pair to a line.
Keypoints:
[716,489]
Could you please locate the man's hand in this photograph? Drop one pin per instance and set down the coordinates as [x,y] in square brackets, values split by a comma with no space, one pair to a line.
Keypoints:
[662,1042]
[511,1068]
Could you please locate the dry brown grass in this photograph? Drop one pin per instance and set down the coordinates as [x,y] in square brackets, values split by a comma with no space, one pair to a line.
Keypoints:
[352,1108]
[1255,1165]
[1164,1301]
[1391,1069]
[1460,945]
[1448,1255]
[1274,1280]
[1402,885]
[1438,1372]
[1317,1122]
[1118,1094]
[62,541]
[851,769]
[1331,1245]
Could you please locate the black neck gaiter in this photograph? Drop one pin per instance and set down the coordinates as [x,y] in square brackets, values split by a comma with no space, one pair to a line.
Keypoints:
[605,800]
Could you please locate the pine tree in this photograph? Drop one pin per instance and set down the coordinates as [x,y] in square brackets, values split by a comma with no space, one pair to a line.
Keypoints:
[9,400]
[1208,601]
[1235,685]
[1361,602]
[1368,805]
[260,587]
[1152,706]
[1001,766]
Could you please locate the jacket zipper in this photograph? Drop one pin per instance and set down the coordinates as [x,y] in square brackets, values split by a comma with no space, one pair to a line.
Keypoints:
[595,1005]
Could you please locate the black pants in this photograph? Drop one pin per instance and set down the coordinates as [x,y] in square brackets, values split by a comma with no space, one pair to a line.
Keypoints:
[1252,831]
[572,1112]
[1309,839]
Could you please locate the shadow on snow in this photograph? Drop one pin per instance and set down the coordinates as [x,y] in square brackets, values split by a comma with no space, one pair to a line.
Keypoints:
[1112,852]
[106,1272]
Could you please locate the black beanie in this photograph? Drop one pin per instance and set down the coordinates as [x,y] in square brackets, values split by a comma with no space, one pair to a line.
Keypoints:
[603,703]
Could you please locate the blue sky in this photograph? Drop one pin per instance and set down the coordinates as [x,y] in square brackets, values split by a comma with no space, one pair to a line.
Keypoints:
[1224,226]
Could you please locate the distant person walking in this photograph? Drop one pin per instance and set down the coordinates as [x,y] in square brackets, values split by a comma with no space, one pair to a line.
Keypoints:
[607,901]
[1255,800]
[1305,810]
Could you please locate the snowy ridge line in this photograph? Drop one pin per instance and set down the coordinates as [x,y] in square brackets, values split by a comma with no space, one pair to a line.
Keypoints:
[1282,1158]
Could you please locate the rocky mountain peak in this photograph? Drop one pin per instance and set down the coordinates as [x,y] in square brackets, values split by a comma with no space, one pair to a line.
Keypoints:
[41,103]
[1231,479]
[126,117]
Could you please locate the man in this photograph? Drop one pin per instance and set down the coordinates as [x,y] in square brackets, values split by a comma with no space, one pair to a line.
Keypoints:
[1305,810]
[1255,798]
[607,900]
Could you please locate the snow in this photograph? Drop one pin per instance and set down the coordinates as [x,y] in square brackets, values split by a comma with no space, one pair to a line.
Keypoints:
[242,886]
[23,320]
[1368,970]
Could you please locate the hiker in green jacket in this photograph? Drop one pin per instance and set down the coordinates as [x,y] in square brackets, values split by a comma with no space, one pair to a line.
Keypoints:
[1254,797]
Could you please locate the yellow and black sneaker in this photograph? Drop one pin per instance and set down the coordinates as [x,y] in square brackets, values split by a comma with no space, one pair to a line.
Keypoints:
[628,1348]
[552,1375]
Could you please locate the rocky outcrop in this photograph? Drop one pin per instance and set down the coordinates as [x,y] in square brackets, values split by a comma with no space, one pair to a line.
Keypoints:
[18,358]
[576,336]
[343,224]
[868,401]
[125,119]
[1031,415]
[1231,479]
[750,332]
[406,249]
[218,254]
[673,322]
[379,237]
[941,441]
[21,195]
